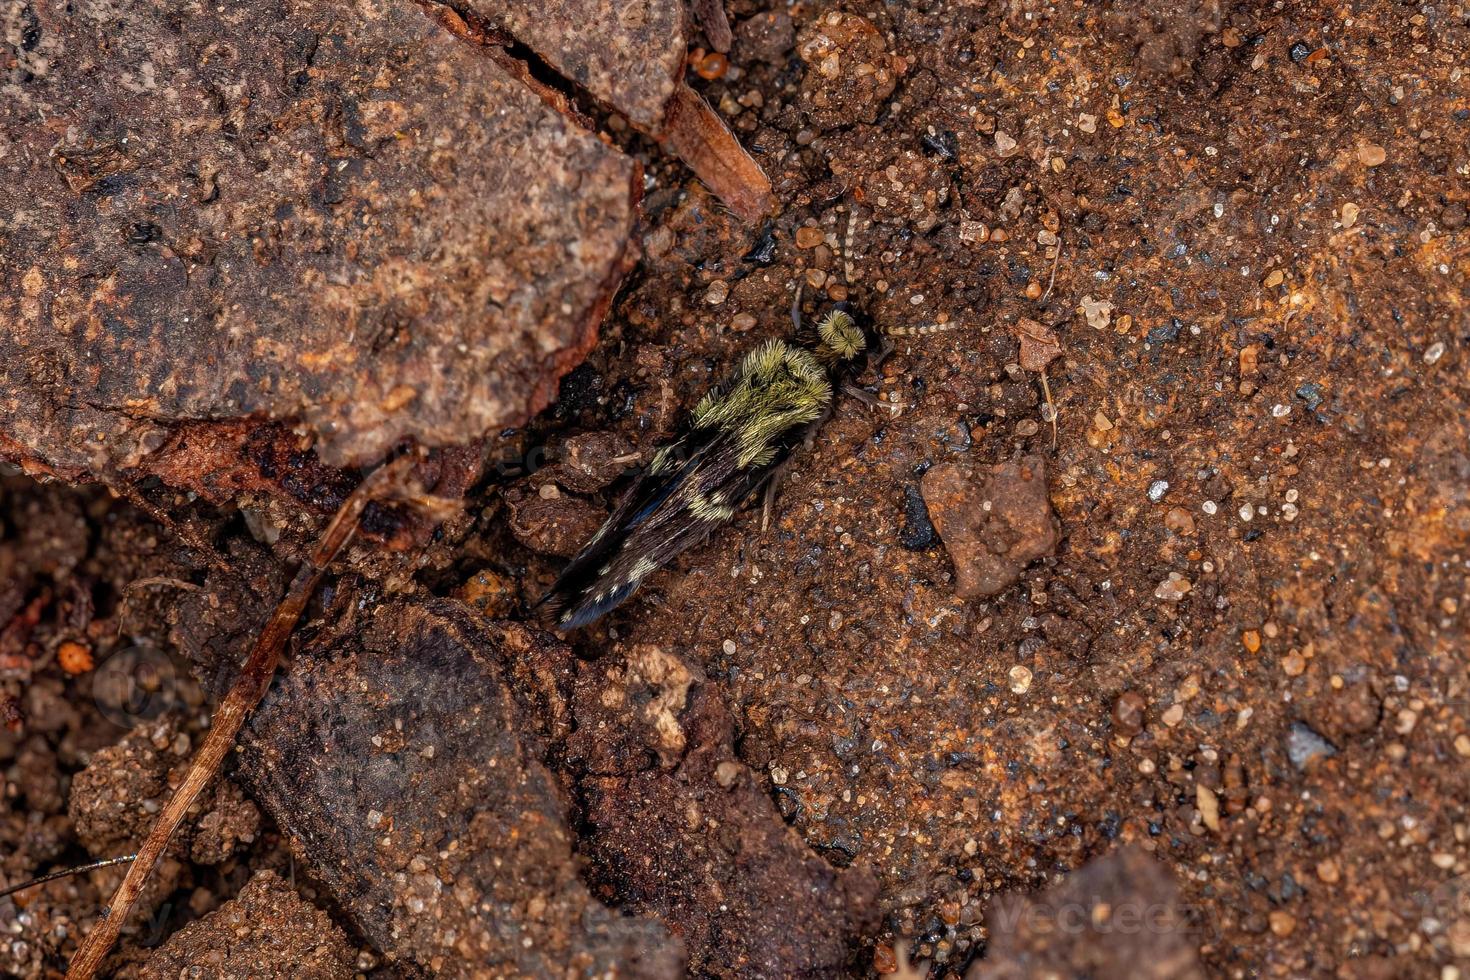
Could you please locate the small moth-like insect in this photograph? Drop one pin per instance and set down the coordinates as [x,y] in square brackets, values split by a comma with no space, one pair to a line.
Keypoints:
[738,438]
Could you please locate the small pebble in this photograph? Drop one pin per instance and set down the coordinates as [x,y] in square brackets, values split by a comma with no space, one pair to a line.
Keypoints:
[1371,154]
[742,322]
[1328,872]
[718,290]
[726,773]
[713,65]
[1179,521]
[1128,712]
[74,658]
[808,236]
[1033,290]
[1251,640]
[1434,353]
[1020,676]
[1172,715]
[1283,923]
[1174,588]
[1157,489]
[1005,143]
[1303,744]
[974,232]
[1209,806]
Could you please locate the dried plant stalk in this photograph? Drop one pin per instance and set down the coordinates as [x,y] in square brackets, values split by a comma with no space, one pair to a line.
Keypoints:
[693,131]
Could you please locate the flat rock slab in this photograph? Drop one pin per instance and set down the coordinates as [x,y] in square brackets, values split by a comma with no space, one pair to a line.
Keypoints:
[1117,918]
[336,214]
[267,932]
[393,759]
[994,520]
[628,54]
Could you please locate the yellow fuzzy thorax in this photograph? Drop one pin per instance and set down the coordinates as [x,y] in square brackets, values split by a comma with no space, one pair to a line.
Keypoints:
[778,386]
[839,338]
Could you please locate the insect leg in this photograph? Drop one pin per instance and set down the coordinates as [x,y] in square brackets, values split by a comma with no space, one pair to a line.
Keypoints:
[768,499]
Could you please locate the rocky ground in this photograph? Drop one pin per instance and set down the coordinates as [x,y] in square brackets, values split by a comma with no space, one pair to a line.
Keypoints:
[1161,553]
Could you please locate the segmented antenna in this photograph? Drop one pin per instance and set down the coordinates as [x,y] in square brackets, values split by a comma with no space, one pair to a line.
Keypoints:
[65,872]
[847,245]
[920,330]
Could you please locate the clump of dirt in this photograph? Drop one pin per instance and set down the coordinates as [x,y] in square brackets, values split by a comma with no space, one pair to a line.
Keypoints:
[113,800]
[266,931]
[993,523]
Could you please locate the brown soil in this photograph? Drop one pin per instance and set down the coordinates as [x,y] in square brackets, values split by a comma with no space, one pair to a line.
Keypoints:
[1245,655]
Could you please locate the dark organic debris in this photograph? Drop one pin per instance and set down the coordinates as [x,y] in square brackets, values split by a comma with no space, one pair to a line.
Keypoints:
[917,532]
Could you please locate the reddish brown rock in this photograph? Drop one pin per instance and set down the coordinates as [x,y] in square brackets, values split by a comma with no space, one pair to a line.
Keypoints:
[994,520]
[630,57]
[628,54]
[315,225]
[267,932]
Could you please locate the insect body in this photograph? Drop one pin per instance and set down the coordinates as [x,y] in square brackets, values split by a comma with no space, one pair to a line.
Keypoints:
[739,435]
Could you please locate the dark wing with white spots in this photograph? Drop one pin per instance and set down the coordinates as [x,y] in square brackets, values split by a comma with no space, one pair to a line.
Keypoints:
[691,488]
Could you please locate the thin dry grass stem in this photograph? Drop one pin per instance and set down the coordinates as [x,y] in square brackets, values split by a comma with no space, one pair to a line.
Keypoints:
[244,695]
[1055,261]
[1051,407]
[66,872]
